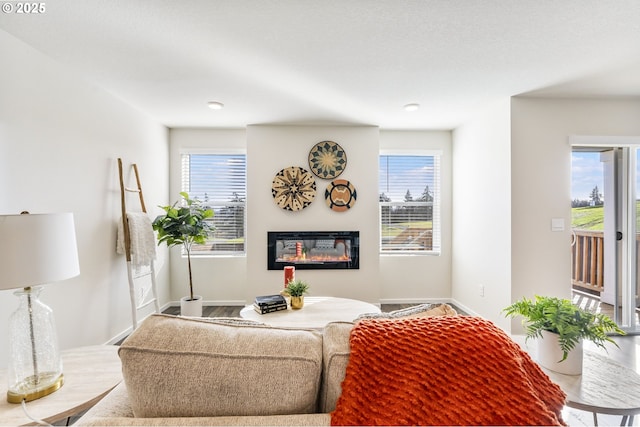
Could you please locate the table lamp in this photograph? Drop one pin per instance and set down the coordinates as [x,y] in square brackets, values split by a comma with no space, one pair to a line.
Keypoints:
[35,249]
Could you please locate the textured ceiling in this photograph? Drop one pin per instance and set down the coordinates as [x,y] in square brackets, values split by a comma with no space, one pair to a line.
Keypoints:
[338,61]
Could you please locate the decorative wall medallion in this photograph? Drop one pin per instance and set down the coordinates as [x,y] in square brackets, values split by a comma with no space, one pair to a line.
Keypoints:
[293,188]
[340,195]
[327,160]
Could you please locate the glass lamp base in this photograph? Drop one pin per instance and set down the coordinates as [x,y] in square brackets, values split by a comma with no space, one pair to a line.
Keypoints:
[35,366]
[34,388]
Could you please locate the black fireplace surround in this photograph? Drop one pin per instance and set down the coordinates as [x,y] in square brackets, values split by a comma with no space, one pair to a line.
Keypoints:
[313,250]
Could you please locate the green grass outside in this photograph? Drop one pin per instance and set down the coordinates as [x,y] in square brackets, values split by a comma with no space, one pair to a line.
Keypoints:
[398,227]
[588,218]
[592,217]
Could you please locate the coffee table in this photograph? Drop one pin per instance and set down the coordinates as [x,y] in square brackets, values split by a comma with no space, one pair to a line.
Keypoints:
[605,386]
[316,313]
[89,374]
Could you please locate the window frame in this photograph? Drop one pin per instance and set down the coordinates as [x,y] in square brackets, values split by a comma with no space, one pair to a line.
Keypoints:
[436,203]
[216,203]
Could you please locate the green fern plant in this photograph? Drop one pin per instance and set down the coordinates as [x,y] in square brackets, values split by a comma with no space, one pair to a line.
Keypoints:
[562,317]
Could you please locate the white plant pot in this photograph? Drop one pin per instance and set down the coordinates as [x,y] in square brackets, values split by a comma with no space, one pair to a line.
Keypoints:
[191,307]
[550,355]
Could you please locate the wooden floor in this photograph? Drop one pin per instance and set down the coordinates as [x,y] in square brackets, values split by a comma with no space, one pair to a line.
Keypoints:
[592,303]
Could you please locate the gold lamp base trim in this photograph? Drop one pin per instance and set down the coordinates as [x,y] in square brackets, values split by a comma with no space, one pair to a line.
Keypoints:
[28,390]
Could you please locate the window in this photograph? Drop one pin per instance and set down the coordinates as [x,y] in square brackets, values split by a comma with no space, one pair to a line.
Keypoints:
[219,182]
[409,203]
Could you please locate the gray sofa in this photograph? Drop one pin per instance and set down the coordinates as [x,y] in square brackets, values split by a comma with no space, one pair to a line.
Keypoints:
[229,371]
[185,371]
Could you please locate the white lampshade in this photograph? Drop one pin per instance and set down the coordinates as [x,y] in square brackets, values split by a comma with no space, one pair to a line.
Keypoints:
[37,249]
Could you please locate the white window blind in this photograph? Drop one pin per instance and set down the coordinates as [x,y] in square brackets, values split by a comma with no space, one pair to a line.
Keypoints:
[219,182]
[409,203]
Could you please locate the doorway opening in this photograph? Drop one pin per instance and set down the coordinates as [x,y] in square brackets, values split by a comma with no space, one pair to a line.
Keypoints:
[604,243]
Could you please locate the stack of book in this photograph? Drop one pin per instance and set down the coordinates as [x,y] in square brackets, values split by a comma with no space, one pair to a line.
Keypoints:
[269,303]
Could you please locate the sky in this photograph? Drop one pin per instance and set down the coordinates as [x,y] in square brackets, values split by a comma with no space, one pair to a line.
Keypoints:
[217,176]
[402,173]
[587,172]
[397,174]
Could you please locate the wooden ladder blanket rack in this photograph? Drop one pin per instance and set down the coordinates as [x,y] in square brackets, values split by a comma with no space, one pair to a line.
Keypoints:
[137,304]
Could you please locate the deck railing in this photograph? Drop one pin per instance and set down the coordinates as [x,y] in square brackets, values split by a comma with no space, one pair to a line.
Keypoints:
[587,256]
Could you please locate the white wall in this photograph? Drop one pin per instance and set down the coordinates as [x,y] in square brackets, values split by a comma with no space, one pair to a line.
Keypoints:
[236,280]
[541,183]
[272,148]
[221,280]
[482,213]
[59,140]
[420,278]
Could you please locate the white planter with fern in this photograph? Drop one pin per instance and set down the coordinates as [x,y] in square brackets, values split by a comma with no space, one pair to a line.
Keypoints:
[560,328]
[550,355]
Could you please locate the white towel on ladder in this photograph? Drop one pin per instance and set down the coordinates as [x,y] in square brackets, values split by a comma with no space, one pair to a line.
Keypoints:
[143,240]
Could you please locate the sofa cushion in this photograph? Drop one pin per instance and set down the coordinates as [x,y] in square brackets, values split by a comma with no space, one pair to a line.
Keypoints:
[420,310]
[186,367]
[335,358]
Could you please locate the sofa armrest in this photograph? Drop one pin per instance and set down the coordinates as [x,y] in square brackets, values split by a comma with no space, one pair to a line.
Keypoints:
[335,349]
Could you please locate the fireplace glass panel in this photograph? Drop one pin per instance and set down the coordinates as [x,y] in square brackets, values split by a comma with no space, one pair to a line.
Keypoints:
[313,249]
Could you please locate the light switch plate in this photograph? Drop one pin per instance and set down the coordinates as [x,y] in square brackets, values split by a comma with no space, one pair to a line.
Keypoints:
[557,224]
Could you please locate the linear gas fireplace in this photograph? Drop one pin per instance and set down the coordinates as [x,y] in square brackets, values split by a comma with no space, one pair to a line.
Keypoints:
[313,250]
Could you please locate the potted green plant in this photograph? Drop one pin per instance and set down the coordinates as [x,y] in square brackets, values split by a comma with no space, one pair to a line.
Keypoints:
[296,290]
[185,223]
[561,327]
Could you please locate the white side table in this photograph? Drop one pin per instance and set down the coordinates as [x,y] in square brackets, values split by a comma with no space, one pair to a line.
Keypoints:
[89,374]
[316,313]
[605,386]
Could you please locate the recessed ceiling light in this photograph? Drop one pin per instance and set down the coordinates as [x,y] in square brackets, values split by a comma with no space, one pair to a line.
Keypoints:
[411,107]
[215,105]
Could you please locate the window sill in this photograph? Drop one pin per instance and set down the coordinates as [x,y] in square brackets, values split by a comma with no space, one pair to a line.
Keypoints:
[216,255]
[409,253]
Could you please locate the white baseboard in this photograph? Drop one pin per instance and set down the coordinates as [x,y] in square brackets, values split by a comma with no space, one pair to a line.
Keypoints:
[210,303]
[464,308]
[128,331]
[122,335]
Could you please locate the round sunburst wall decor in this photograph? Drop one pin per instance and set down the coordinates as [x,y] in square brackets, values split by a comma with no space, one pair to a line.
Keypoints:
[327,160]
[293,188]
[340,195]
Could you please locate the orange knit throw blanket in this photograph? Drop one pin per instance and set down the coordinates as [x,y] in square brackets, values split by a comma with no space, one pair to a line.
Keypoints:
[443,371]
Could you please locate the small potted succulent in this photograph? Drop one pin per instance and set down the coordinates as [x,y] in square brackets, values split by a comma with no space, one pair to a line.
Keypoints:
[561,327]
[296,290]
[185,223]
